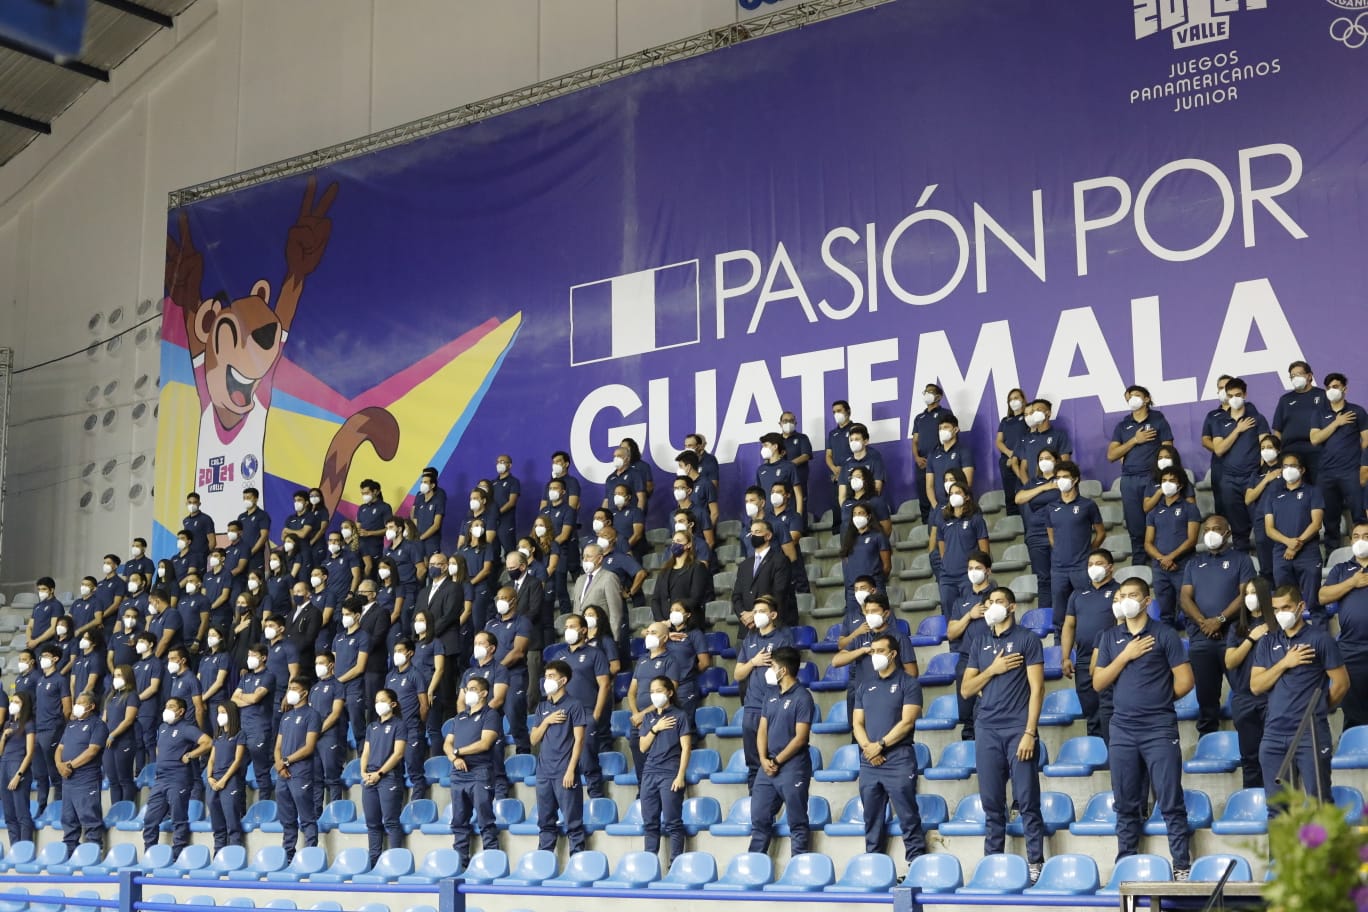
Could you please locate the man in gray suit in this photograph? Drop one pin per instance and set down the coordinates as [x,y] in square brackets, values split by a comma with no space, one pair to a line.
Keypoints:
[600,586]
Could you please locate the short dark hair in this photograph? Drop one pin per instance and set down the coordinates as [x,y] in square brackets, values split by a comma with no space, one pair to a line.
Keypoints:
[788,658]
[1102,553]
[46,581]
[840,403]
[1238,383]
[1137,582]
[1137,388]
[1336,375]
[561,668]
[983,557]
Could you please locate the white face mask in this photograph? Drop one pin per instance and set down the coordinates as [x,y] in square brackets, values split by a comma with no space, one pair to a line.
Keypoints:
[1360,547]
[995,614]
[977,576]
[1163,462]
[1291,474]
[480,653]
[557,470]
[366,498]
[1299,383]
[192,588]
[652,642]
[777,499]
[1134,403]
[161,573]
[1015,404]
[384,573]
[1097,572]
[108,569]
[861,595]
[425,487]
[677,618]
[24,667]
[619,500]
[78,711]
[212,640]
[859,521]
[1170,488]
[391,534]
[349,621]
[130,623]
[762,619]
[1046,466]
[500,467]
[840,418]
[539,531]
[786,427]
[400,660]
[192,508]
[502,606]
[223,720]
[474,504]
[292,697]
[956,501]
[929,398]
[253,663]
[85,592]
[752,509]
[1334,394]
[1035,419]
[382,709]
[1130,608]
[618,462]
[660,700]
[247,504]
[603,543]
[1065,484]
[45,663]
[169,716]
[767,453]
[875,621]
[476,533]
[1252,603]
[334,547]
[572,635]
[591,621]
[681,494]
[879,660]
[1213,540]
[681,527]
[420,626]
[1236,403]
[275,566]
[472,699]
[598,525]
[118,685]
[299,506]
[214,561]
[945,434]
[321,671]
[550,686]
[857,446]
[587,565]
[173,668]
[62,630]
[136,551]
[133,587]
[1286,619]
[232,536]
[771,677]
[1268,455]
[271,632]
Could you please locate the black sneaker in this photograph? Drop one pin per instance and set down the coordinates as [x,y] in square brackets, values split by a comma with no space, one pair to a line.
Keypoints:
[1182,874]
[1033,872]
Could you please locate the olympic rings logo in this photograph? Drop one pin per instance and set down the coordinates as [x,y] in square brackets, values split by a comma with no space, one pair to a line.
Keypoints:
[1350,32]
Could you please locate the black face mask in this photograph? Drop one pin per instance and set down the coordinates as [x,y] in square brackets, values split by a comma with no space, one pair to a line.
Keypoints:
[515,574]
[757,541]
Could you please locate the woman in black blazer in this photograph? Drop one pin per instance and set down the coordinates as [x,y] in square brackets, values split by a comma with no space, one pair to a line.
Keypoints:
[682,579]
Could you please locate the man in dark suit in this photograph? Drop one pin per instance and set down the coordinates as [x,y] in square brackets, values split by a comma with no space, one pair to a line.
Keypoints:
[767,573]
[531,597]
[375,624]
[302,626]
[444,600]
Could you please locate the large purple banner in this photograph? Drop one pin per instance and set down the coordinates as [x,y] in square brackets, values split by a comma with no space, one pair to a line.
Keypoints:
[1063,197]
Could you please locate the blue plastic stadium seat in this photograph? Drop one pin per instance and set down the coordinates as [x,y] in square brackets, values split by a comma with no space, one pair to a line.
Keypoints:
[747,871]
[582,870]
[737,822]
[192,858]
[837,721]
[998,875]
[712,679]
[14,905]
[118,812]
[239,902]
[51,900]
[935,872]
[702,764]
[836,677]
[52,853]
[351,773]
[851,821]
[326,905]
[690,871]
[554,651]
[735,773]
[933,811]
[1067,875]
[733,728]
[598,813]
[437,771]
[708,719]
[1198,814]
[957,761]
[1061,707]
[260,812]
[280,903]
[229,858]
[968,820]
[348,863]
[717,642]
[532,870]
[1348,799]
[123,855]
[417,813]
[1078,757]
[157,856]
[508,811]
[134,824]
[634,871]
[1056,809]
[1217,752]
[809,873]
[830,642]
[701,813]
[336,813]
[866,873]
[1150,868]
[1038,620]
[86,854]
[807,674]
[630,825]
[146,776]
[941,715]
[521,768]
[621,681]
[844,765]
[1352,752]
[1187,708]
[308,861]
[21,852]
[940,671]
[1099,817]
[819,815]
[931,631]
[804,636]
[486,867]
[613,763]
[619,723]
[1210,868]
[438,864]
[530,826]
[264,860]
[1054,662]
[1245,814]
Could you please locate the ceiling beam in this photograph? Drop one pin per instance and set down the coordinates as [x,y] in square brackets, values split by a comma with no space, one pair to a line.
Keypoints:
[74,66]
[28,123]
[142,12]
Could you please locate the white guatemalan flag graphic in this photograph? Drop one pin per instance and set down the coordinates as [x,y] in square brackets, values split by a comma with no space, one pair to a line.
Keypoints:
[634,314]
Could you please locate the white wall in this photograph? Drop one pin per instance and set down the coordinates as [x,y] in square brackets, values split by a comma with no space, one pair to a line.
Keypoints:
[236,84]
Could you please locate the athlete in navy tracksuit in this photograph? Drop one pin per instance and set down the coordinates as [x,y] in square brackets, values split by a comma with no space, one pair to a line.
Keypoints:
[326,697]
[1340,432]
[177,740]
[1007,672]
[752,659]
[51,706]
[591,686]
[382,774]
[1143,663]
[351,653]
[78,762]
[1212,593]
[1347,585]
[1090,614]
[227,792]
[785,764]
[562,731]
[470,747]
[295,764]
[1171,540]
[666,736]
[886,709]
[1135,443]
[406,681]
[254,699]
[1293,521]
[1074,526]
[1293,665]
